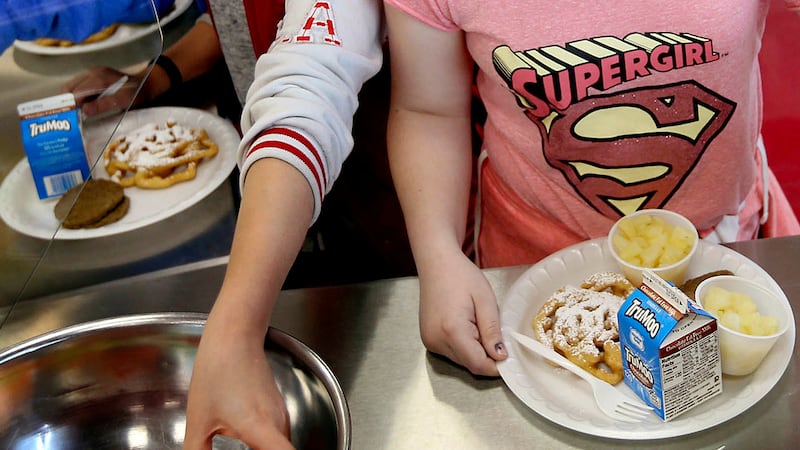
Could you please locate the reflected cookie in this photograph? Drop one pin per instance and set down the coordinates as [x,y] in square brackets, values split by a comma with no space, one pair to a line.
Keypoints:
[92,204]
[689,286]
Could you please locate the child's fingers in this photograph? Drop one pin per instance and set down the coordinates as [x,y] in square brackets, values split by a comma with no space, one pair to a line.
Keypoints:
[487,318]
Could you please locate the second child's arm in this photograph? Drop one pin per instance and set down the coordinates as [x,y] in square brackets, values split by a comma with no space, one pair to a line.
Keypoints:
[430,158]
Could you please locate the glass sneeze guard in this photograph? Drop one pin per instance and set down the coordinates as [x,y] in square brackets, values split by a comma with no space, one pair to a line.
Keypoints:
[37,257]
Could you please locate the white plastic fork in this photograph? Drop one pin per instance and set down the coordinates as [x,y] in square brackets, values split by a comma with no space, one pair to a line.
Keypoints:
[612,402]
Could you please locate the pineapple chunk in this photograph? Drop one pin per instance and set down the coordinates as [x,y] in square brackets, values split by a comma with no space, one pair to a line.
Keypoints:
[681,238]
[670,256]
[627,229]
[651,255]
[716,299]
[731,320]
[743,304]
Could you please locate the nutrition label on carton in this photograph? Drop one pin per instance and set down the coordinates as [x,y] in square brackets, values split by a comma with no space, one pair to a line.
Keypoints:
[689,371]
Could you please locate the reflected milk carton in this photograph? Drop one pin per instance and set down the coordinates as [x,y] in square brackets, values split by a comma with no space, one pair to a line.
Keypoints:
[51,135]
[670,348]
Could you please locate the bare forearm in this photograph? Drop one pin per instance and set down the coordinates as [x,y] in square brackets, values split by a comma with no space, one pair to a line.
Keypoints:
[274,216]
[429,134]
[431,167]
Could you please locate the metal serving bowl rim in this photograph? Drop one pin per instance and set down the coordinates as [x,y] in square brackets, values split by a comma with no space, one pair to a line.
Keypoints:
[286,341]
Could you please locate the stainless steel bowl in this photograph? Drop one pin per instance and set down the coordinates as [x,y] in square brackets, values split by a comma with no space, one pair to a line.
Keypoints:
[122,383]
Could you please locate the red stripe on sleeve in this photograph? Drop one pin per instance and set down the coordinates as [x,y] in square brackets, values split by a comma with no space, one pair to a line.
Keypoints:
[293,150]
[303,140]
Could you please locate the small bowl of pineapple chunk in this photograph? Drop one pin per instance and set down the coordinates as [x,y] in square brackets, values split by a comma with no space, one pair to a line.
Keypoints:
[656,239]
[750,318]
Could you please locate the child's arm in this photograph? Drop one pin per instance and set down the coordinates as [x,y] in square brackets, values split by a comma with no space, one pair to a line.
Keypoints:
[430,158]
[297,124]
[231,391]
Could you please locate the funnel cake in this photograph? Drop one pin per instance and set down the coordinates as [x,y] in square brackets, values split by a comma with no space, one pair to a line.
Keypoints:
[156,156]
[580,323]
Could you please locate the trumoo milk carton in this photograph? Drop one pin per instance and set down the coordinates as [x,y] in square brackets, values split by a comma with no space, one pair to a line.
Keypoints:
[51,135]
[670,348]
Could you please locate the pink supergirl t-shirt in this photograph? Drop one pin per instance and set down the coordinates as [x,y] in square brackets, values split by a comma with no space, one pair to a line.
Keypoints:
[598,109]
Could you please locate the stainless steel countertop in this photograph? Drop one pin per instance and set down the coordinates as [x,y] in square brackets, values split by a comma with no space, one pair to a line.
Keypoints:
[400,396]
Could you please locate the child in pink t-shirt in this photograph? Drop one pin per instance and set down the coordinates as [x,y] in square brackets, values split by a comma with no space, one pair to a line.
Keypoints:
[594,111]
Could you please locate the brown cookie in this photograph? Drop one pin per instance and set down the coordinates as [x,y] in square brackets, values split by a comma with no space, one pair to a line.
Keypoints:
[688,287]
[114,215]
[88,203]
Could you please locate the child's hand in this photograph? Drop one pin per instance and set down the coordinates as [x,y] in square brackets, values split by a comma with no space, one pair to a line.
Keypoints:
[233,393]
[459,317]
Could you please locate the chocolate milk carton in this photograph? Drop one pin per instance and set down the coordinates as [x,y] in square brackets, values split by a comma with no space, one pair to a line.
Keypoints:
[670,348]
[51,135]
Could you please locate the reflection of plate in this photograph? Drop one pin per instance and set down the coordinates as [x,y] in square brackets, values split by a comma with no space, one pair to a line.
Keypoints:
[22,210]
[125,33]
[568,401]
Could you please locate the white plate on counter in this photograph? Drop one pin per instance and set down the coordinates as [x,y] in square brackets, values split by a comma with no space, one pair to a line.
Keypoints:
[126,32]
[22,210]
[566,400]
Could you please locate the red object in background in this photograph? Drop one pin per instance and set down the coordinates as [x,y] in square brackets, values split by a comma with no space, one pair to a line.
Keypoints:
[780,67]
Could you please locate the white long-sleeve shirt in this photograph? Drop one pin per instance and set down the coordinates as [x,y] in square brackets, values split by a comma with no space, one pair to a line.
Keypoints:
[300,105]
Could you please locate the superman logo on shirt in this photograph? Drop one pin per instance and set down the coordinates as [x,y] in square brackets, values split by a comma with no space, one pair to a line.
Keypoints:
[650,138]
